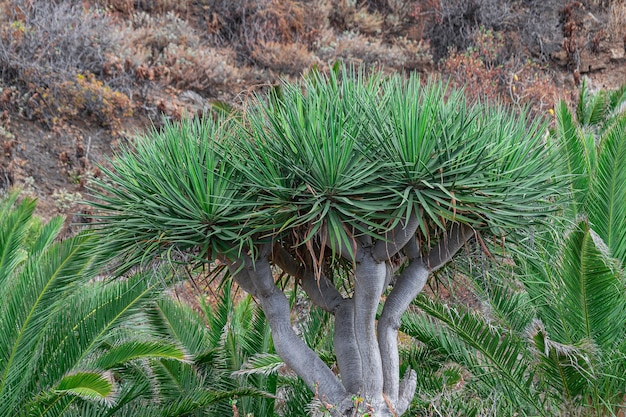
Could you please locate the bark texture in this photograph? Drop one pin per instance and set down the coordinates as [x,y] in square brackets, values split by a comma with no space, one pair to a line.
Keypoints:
[366,350]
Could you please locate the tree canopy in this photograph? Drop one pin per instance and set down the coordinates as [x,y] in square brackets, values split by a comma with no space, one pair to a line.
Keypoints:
[353,184]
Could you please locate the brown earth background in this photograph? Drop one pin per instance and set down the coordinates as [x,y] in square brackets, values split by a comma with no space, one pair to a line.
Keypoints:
[81,78]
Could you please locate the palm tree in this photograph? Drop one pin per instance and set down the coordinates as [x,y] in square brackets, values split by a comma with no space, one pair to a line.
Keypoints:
[72,344]
[552,340]
[232,344]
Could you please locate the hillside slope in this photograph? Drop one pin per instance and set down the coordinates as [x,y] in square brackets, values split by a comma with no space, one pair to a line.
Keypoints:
[80,78]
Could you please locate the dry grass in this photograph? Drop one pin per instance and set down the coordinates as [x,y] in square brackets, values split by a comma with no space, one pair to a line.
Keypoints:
[356,48]
[128,7]
[484,72]
[617,21]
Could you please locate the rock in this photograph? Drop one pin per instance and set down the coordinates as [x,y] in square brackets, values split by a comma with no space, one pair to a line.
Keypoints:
[617,54]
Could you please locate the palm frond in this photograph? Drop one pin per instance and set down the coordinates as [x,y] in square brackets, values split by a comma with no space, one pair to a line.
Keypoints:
[606,206]
[33,299]
[14,228]
[510,308]
[564,368]
[90,385]
[592,294]
[203,399]
[173,378]
[575,153]
[181,323]
[134,350]
[74,335]
[264,364]
[592,109]
[500,362]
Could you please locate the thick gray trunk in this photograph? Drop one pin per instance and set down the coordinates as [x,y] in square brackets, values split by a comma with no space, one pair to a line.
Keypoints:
[257,278]
[346,348]
[367,353]
[369,282]
[407,287]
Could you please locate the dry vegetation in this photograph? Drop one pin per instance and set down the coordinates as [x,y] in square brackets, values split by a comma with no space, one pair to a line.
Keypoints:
[78,76]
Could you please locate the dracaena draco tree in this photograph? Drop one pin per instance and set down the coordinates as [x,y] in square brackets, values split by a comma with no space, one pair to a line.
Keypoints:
[354,185]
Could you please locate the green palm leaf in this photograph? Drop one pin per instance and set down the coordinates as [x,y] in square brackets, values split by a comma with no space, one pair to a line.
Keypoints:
[607,204]
[90,385]
[576,152]
[134,350]
[32,300]
[97,310]
[593,292]
[500,362]
[592,109]
[264,364]
[14,228]
[181,323]
[564,369]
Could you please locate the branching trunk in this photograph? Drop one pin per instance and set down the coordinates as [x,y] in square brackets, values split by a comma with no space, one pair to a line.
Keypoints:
[369,281]
[257,278]
[367,352]
[407,287]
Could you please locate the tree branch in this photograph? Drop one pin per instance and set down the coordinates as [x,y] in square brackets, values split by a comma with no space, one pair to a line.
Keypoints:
[407,287]
[412,248]
[320,290]
[296,354]
[347,349]
[395,239]
[286,262]
[240,274]
[369,283]
[449,246]
[407,391]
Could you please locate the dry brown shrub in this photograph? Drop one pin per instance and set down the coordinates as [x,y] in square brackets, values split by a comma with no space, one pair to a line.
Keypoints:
[125,7]
[483,73]
[128,7]
[162,6]
[278,21]
[82,96]
[202,69]
[359,49]
[617,21]
[348,17]
[166,48]
[56,54]
[291,58]
[530,84]
[368,23]
[247,23]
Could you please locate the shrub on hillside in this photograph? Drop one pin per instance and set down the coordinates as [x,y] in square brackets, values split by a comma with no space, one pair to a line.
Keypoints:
[485,71]
[166,48]
[532,23]
[358,49]
[45,47]
[128,7]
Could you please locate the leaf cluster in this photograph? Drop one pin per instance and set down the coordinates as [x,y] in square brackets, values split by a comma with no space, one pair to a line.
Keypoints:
[343,154]
[550,332]
[74,344]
